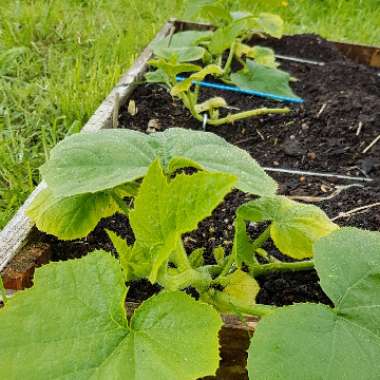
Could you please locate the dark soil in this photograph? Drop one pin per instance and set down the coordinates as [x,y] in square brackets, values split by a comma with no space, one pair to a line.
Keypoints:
[319,135]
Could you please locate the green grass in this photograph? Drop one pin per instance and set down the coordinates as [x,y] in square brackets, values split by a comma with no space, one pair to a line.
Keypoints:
[60,58]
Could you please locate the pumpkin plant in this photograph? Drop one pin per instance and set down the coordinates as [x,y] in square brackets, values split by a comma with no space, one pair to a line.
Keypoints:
[108,165]
[72,323]
[258,70]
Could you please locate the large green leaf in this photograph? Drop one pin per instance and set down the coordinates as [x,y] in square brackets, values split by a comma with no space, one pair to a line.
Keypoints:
[92,162]
[210,152]
[72,217]
[295,226]
[262,55]
[260,77]
[72,325]
[164,211]
[317,342]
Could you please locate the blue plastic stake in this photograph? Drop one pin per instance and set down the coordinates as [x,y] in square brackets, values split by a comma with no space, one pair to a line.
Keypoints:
[226,87]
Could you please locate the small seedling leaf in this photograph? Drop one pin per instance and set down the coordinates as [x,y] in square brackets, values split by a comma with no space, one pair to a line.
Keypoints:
[241,288]
[259,77]
[295,226]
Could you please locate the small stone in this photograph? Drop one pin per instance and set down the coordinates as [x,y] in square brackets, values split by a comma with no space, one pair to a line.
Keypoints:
[276,163]
[153,125]
[304,126]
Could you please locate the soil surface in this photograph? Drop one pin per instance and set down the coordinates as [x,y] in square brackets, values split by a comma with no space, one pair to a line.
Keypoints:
[328,133]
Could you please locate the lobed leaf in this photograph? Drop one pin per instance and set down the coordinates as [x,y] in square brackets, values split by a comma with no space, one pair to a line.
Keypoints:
[72,324]
[164,211]
[210,152]
[92,162]
[313,341]
[295,226]
[259,77]
[108,158]
[224,37]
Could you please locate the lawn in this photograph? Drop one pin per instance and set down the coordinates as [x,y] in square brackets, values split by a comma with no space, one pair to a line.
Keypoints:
[59,58]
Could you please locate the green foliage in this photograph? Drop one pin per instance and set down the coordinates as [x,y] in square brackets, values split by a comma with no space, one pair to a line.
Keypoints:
[317,342]
[164,211]
[105,164]
[294,227]
[75,314]
[239,288]
[98,161]
[71,217]
[263,78]
[232,29]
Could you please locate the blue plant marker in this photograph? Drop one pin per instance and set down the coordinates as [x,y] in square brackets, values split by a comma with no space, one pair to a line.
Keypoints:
[226,87]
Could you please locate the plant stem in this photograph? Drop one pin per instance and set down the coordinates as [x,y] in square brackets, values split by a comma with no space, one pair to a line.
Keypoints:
[3,291]
[261,239]
[225,302]
[180,257]
[243,115]
[227,66]
[258,270]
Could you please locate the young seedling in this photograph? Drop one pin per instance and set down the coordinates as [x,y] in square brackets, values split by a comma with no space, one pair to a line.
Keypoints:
[258,68]
[188,92]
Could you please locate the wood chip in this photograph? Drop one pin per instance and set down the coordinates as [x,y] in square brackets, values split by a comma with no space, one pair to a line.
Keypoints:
[357,210]
[374,141]
[359,128]
[322,109]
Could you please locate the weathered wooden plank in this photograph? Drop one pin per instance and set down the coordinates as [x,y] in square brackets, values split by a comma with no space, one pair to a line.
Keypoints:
[16,233]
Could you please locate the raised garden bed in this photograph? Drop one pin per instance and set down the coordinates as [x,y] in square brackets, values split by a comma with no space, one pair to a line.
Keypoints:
[330,133]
